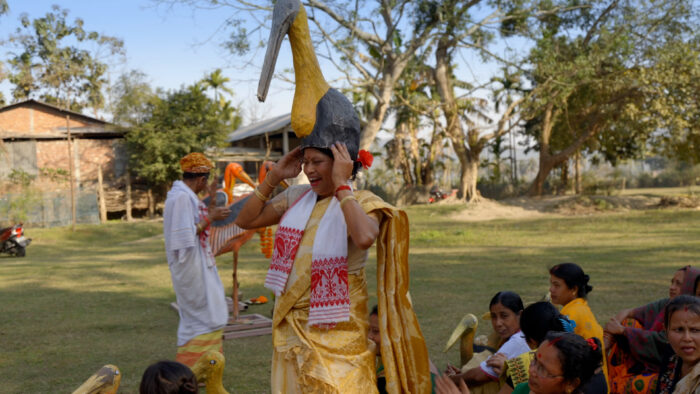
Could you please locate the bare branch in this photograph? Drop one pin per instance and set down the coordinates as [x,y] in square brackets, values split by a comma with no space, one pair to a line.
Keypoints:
[343,22]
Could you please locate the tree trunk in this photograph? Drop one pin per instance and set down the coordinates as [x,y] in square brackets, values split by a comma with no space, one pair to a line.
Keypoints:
[392,70]
[467,182]
[546,166]
[401,157]
[564,177]
[151,204]
[579,184]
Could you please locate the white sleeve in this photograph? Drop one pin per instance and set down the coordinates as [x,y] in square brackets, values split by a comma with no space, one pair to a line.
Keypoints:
[182,231]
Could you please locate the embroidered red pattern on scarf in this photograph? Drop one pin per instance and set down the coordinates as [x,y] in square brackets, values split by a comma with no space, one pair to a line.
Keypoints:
[329,299]
[204,235]
[287,241]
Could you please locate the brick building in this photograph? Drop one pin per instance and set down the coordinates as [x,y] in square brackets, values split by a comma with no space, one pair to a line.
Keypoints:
[35,140]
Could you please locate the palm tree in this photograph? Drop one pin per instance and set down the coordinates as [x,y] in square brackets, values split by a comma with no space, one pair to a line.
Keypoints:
[216,81]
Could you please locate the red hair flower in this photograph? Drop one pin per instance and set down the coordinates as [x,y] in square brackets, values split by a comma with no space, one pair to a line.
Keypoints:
[365,158]
[592,343]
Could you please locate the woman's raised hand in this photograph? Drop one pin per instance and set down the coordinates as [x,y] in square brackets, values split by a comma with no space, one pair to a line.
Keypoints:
[288,166]
[342,164]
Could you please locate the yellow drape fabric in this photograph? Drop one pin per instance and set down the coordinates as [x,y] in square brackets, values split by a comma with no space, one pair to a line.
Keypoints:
[404,353]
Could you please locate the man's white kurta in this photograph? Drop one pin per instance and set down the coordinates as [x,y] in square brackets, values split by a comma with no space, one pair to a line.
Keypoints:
[198,288]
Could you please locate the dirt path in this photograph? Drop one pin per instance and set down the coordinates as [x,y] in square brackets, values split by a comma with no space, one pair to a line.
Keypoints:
[560,206]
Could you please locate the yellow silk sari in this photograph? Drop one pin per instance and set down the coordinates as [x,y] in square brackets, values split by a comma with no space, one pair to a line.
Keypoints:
[340,360]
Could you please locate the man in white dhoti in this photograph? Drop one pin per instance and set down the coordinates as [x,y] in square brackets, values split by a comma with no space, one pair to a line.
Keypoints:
[198,288]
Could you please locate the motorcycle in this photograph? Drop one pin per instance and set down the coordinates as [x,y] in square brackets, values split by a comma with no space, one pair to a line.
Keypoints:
[13,241]
[436,195]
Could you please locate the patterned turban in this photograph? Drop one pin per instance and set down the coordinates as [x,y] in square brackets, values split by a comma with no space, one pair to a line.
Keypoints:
[196,163]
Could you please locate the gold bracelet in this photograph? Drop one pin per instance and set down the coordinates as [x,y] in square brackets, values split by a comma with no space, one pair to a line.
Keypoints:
[345,199]
[268,183]
[261,196]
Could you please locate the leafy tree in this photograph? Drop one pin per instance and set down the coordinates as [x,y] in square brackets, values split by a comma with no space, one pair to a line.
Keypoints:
[133,99]
[183,121]
[53,64]
[414,107]
[590,77]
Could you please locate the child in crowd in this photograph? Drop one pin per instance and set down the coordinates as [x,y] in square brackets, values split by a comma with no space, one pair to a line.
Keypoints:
[168,377]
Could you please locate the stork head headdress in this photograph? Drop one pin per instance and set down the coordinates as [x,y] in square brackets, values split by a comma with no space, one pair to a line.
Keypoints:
[321,115]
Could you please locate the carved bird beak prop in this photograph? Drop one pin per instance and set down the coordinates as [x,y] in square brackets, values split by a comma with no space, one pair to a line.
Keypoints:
[282,18]
[468,322]
[321,116]
[105,381]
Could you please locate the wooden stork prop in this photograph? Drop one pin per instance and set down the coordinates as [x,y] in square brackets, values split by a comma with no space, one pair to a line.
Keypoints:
[226,236]
[321,115]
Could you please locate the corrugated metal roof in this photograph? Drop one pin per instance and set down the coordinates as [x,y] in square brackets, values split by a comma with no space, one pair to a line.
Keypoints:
[271,126]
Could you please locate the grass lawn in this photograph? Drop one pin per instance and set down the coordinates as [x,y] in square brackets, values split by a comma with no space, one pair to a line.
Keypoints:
[101,294]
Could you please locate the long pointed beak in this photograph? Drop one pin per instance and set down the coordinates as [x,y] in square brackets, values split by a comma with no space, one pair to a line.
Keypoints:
[245,178]
[468,322]
[282,18]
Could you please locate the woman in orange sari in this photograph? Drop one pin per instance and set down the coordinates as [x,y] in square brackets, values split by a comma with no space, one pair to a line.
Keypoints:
[638,340]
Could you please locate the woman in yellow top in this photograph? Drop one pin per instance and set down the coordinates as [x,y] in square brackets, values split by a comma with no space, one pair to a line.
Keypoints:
[568,286]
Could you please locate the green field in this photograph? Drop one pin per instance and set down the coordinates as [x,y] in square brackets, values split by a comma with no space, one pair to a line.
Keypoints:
[101,294]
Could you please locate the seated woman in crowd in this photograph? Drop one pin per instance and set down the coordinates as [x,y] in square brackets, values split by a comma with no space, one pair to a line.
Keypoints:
[681,371]
[563,363]
[568,286]
[505,308]
[637,339]
[535,322]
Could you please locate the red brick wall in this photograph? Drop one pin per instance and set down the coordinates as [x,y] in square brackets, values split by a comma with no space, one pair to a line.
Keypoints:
[36,119]
[92,153]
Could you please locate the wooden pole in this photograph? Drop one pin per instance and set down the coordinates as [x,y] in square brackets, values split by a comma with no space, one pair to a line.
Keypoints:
[101,195]
[128,196]
[70,174]
[234,296]
[151,204]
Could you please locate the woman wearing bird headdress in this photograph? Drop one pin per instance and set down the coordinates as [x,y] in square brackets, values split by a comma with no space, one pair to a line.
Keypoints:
[320,321]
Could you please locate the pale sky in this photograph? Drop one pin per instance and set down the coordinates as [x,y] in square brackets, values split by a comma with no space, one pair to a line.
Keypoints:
[179,45]
[173,46]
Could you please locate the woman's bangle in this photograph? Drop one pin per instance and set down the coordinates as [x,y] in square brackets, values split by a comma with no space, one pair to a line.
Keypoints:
[268,183]
[342,187]
[346,199]
[261,196]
